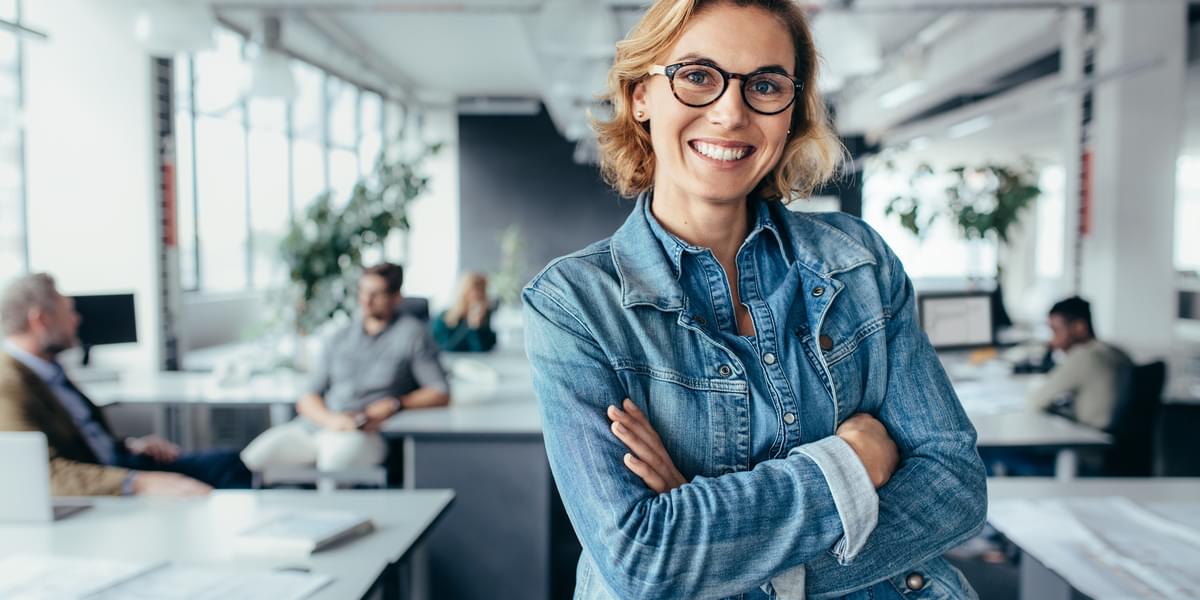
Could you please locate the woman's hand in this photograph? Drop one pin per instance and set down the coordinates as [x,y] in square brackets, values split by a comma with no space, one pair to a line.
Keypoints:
[648,457]
[870,441]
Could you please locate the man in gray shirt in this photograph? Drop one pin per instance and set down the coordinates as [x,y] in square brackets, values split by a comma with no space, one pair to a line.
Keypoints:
[379,364]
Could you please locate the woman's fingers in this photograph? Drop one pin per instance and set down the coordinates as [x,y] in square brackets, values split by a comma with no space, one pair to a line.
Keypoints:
[637,427]
[649,476]
[637,446]
[638,432]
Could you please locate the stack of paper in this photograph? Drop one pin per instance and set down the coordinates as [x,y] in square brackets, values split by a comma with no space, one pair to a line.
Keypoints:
[299,533]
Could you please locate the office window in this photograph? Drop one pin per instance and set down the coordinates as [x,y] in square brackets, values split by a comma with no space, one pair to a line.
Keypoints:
[943,254]
[1051,223]
[185,200]
[270,189]
[1187,213]
[247,167]
[221,196]
[13,259]
[370,130]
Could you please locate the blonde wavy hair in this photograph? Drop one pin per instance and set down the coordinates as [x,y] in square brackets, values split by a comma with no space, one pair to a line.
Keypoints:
[812,154]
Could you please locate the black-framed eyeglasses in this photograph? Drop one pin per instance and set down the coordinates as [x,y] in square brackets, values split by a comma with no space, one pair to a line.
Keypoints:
[698,84]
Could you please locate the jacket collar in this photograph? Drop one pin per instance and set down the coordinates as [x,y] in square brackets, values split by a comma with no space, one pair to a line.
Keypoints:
[648,258]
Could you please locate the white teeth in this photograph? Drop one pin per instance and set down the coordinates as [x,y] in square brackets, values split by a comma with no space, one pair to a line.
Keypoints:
[720,152]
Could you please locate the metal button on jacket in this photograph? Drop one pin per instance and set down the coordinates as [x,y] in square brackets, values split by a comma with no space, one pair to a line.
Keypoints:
[826,343]
[769,358]
[818,292]
[725,370]
[914,581]
[699,320]
[789,418]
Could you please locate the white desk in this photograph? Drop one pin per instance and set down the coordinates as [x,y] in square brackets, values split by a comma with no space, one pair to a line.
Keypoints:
[185,397]
[995,402]
[486,445]
[1056,563]
[199,531]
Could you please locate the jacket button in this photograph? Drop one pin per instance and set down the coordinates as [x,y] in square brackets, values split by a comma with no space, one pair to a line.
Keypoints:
[818,292]
[914,581]
[826,343]
[725,370]
[699,320]
[789,418]
[769,358]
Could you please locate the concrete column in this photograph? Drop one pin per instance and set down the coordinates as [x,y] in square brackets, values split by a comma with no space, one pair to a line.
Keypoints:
[1127,253]
[1071,72]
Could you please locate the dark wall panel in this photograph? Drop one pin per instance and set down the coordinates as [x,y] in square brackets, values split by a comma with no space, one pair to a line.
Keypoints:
[518,169]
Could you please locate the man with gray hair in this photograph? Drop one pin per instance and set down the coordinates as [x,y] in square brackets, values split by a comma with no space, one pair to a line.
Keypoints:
[86,458]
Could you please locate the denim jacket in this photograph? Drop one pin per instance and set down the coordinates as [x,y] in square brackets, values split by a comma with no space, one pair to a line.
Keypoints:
[616,320]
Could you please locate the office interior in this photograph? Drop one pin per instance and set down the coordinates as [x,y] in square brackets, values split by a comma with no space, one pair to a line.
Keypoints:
[161,160]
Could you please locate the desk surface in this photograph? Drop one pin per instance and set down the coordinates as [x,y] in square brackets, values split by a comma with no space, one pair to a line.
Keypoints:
[199,531]
[1152,489]
[1107,538]
[183,387]
[1027,429]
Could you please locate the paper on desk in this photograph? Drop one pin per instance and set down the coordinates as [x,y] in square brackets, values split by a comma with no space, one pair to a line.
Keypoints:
[1105,547]
[183,582]
[68,578]
[63,578]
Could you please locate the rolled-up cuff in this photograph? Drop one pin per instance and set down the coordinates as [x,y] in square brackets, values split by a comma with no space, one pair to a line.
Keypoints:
[853,493]
[127,485]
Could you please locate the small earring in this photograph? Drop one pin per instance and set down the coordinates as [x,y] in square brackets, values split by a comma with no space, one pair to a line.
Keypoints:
[789,132]
[641,114]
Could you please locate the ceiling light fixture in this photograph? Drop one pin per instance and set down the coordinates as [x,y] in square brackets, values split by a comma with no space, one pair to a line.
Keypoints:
[169,27]
[969,126]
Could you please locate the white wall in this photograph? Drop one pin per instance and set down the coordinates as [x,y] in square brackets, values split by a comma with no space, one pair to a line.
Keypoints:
[89,160]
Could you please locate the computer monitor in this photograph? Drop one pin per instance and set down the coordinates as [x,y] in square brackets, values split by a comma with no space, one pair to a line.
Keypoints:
[957,320]
[107,319]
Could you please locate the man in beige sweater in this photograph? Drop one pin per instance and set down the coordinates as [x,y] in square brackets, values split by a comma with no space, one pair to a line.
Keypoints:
[1090,377]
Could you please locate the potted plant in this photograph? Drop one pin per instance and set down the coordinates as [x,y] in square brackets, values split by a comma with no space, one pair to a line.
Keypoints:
[324,249]
[983,202]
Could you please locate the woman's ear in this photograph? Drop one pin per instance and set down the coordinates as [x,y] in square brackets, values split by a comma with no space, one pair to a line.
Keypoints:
[641,113]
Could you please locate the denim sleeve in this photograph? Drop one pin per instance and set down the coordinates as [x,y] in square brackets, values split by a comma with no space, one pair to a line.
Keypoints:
[853,493]
[699,540]
[938,497]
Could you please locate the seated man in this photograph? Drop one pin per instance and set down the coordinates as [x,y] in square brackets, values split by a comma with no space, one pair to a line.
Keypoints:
[1085,386]
[377,365]
[86,459]
[1091,374]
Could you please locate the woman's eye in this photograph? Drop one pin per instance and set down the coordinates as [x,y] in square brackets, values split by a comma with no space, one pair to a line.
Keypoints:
[764,87]
[696,77]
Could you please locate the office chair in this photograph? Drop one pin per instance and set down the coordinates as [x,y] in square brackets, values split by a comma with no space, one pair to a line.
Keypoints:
[415,306]
[1133,424]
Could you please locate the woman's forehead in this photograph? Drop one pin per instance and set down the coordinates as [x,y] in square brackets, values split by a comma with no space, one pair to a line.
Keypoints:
[737,38]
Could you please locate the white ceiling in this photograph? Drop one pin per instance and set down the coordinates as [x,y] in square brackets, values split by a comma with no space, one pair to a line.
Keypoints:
[448,49]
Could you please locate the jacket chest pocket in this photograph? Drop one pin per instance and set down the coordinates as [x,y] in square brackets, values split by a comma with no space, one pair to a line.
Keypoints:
[704,424]
[853,348]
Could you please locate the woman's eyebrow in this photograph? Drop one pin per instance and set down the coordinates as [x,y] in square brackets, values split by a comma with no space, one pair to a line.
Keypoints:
[693,56]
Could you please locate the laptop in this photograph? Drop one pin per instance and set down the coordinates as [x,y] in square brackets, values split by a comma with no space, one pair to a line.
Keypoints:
[25,471]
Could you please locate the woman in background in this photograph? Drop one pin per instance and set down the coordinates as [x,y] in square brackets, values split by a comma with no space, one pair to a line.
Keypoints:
[466,326]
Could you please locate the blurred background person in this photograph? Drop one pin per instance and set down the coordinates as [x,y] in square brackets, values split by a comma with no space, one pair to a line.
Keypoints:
[466,326]
[86,456]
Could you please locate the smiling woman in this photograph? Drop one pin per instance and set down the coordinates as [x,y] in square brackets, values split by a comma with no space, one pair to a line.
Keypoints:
[737,400]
